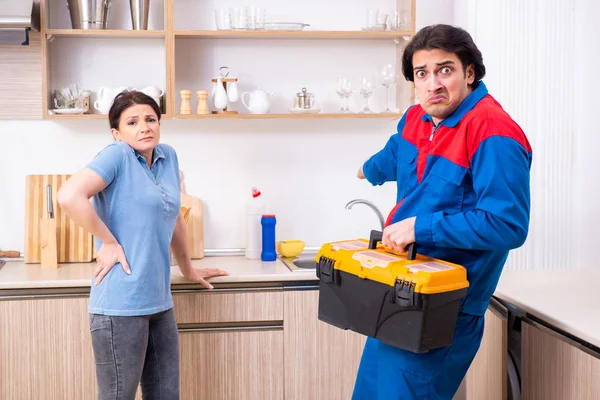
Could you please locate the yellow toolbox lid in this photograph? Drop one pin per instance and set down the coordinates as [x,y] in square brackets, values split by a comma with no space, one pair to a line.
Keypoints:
[380,264]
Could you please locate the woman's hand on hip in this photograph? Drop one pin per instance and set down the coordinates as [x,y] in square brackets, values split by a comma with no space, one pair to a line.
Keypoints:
[199,275]
[108,256]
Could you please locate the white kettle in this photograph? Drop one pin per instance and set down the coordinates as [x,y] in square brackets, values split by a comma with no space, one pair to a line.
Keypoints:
[259,103]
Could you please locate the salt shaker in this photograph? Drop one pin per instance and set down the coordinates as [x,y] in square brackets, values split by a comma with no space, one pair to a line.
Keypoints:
[184,106]
[202,102]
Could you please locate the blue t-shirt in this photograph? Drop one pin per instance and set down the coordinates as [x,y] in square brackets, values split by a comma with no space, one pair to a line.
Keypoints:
[139,206]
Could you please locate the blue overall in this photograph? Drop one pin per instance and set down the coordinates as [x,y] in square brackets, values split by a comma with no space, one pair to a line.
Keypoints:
[466,181]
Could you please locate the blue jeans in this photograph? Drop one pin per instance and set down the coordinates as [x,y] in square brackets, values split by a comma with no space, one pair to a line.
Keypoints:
[130,350]
[390,373]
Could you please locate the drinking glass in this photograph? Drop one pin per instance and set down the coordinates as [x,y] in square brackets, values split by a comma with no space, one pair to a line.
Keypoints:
[222,19]
[398,21]
[344,90]
[256,17]
[372,18]
[387,77]
[239,21]
[367,85]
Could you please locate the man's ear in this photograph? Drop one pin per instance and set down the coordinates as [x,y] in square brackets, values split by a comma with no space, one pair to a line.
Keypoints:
[470,74]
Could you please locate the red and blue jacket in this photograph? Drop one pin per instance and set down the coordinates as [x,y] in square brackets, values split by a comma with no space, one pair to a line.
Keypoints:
[467,182]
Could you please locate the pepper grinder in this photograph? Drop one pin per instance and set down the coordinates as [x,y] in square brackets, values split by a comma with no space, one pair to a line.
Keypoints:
[202,102]
[185,107]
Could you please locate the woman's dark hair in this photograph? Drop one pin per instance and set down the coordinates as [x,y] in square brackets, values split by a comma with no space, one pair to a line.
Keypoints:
[450,39]
[126,99]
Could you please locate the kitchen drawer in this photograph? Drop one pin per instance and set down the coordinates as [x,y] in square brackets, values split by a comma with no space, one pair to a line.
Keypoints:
[228,306]
[245,364]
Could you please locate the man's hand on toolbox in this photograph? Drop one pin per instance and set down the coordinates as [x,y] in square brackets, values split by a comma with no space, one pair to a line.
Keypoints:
[399,235]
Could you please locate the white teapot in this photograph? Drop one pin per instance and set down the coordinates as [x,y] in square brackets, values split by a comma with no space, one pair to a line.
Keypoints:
[107,95]
[105,98]
[259,103]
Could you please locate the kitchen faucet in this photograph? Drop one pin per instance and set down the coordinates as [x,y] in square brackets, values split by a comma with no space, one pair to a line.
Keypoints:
[368,203]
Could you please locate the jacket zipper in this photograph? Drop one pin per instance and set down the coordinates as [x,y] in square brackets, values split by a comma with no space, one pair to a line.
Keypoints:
[432,132]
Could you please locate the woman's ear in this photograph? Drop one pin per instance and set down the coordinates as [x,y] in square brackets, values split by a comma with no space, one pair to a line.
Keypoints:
[115,134]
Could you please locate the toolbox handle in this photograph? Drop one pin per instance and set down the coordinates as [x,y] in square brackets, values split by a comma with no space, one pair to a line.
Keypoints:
[377,236]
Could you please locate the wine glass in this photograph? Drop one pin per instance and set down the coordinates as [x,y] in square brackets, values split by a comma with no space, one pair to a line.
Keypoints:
[387,77]
[367,85]
[344,89]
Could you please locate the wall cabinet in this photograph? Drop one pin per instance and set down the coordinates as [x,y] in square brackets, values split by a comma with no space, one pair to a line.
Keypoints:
[21,80]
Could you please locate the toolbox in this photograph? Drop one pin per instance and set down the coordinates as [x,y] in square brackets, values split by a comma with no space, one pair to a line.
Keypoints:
[405,300]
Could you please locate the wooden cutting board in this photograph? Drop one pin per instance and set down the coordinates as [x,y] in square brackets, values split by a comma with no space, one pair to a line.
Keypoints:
[194,224]
[73,243]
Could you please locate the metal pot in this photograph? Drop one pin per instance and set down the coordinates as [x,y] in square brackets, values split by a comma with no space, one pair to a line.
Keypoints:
[89,14]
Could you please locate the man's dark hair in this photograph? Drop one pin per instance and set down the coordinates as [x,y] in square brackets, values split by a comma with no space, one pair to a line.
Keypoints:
[126,99]
[450,39]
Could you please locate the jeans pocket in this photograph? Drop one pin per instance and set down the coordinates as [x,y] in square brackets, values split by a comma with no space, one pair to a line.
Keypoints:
[102,338]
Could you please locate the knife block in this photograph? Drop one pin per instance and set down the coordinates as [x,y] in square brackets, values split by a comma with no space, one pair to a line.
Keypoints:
[49,257]
[73,243]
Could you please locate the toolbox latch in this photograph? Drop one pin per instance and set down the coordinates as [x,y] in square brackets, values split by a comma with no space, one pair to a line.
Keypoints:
[326,272]
[404,293]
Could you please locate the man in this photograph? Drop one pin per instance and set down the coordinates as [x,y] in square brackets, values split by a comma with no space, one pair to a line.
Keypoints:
[462,170]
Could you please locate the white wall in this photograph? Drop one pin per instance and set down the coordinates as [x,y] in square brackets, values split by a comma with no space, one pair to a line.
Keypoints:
[539,55]
[305,168]
[586,194]
[309,176]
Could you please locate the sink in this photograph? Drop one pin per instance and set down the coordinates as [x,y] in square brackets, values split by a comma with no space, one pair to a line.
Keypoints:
[304,261]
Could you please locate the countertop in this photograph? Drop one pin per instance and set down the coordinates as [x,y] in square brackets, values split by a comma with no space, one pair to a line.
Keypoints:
[567,299]
[18,275]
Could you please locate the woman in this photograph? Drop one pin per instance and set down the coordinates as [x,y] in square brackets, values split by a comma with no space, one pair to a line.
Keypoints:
[135,218]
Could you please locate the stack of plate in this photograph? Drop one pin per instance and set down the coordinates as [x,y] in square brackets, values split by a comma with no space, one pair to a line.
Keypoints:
[285,26]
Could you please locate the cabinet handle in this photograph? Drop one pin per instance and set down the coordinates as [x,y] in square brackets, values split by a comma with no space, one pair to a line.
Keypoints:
[275,326]
[201,290]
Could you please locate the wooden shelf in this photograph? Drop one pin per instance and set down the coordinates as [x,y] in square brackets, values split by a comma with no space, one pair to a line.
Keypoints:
[104,33]
[292,34]
[76,116]
[241,116]
[84,116]
[169,35]
[290,116]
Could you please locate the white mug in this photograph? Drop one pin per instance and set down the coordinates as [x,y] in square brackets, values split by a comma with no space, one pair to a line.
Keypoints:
[103,106]
[104,93]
